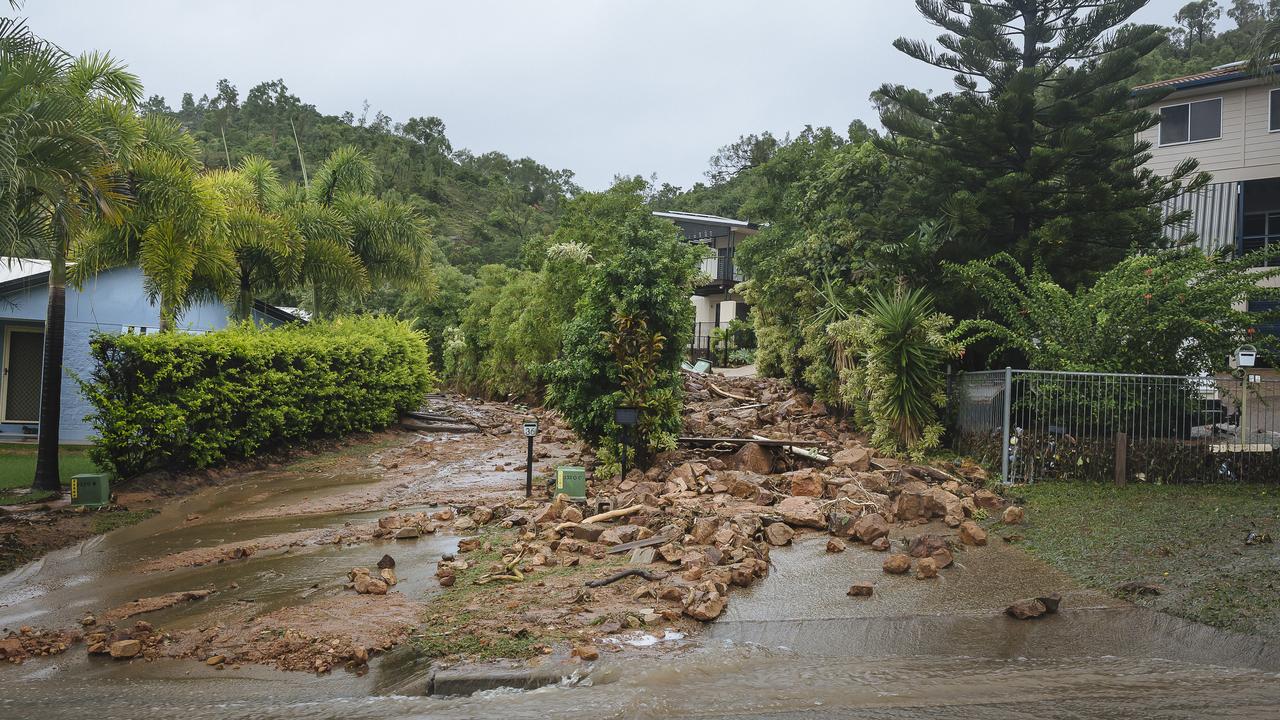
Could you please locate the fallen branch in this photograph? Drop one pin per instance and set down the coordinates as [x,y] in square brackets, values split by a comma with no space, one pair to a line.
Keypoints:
[626,574]
[726,394]
[813,455]
[622,512]
[512,572]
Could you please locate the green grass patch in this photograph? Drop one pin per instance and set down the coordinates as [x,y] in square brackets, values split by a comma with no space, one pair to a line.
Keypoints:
[1187,539]
[18,468]
[105,522]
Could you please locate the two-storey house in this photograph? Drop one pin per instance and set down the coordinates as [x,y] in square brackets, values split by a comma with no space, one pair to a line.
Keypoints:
[1229,120]
[714,300]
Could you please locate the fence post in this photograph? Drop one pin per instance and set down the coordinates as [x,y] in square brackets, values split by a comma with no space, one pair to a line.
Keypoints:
[1122,458]
[1004,445]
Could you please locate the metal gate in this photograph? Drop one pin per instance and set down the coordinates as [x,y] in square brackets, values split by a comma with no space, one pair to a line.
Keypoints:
[1039,425]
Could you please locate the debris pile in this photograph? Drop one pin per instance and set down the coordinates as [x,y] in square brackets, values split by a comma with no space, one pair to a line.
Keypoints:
[700,521]
[28,642]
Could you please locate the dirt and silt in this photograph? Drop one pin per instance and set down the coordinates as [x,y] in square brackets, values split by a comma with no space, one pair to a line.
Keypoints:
[215,604]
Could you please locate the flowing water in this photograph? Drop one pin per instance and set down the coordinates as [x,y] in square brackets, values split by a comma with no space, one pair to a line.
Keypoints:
[791,647]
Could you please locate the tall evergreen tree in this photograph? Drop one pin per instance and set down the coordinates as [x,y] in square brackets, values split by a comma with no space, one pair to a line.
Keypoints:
[1035,152]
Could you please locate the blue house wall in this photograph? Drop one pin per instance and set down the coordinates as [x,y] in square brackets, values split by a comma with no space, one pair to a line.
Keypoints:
[109,302]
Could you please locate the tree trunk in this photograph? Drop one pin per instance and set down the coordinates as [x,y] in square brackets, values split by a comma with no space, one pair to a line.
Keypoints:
[48,476]
[244,301]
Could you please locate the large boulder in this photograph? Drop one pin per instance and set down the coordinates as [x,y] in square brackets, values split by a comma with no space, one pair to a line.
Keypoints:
[753,458]
[803,512]
[807,483]
[620,534]
[857,459]
[923,546]
[778,534]
[972,534]
[871,527]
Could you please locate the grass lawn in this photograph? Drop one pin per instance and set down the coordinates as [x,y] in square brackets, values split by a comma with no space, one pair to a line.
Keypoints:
[18,466]
[1189,541]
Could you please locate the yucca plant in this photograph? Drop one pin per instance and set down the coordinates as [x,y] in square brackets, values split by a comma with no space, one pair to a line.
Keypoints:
[896,383]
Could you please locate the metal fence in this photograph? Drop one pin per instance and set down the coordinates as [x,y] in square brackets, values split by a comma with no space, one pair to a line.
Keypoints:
[1042,425]
[700,344]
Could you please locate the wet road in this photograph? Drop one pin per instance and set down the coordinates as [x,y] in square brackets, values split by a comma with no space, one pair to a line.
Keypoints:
[793,646]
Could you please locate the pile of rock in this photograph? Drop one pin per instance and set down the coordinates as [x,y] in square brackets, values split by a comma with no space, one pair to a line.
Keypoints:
[30,642]
[125,644]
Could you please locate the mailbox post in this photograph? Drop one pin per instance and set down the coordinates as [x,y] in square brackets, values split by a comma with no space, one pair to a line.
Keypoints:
[627,418]
[530,431]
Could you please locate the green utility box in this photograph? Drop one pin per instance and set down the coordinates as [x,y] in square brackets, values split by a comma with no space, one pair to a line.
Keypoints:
[572,481]
[90,490]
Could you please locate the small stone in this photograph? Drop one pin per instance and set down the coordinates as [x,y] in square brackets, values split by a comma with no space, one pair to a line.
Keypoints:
[587,653]
[407,533]
[972,534]
[125,648]
[778,534]
[388,576]
[871,527]
[88,620]
[215,660]
[897,564]
[835,546]
[942,557]
[926,568]
[861,589]
[1013,515]
[1026,609]
[880,544]
[1050,602]
[571,514]
[387,562]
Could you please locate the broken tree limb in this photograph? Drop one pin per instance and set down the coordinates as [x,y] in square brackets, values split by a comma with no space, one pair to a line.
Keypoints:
[763,441]
[651,576]
[726,394]
[813,455]
[621,512]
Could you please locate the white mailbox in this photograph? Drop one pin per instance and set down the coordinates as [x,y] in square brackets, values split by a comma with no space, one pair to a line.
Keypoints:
[1245,357]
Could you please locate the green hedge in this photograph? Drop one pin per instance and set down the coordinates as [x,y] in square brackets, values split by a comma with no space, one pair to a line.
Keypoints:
[179,401]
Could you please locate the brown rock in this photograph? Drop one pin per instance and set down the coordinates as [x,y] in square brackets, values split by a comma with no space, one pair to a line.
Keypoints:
[1050,602]
[1013,515]
[388,576]
[387,562]
[987,500]
[587,653]
[778,534]
[753,458]
[125,648]
[708,609]
[880,544]
[803,512]
[806,483]
[368,585]
[704,529]
[925,545]
[861,589]
[407,533]
[571,514]
[835,546]
[842,525]
[972,534]
[897,564]
[871,527]
[943,557]
[620,534]
[215,660]
[1026,609]
[588,532]
[857,459]
[926,568]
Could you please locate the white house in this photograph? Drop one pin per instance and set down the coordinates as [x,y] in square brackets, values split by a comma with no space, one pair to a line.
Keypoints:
[1229,121]
[714,300]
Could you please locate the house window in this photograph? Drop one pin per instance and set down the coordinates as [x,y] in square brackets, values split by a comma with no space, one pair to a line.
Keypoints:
[1275,110]
[1191,122]
[1261,231]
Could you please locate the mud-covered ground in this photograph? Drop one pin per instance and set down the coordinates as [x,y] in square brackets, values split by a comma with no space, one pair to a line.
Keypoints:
[1203,552]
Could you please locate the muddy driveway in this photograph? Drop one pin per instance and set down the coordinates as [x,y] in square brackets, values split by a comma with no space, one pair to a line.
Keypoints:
[276,546]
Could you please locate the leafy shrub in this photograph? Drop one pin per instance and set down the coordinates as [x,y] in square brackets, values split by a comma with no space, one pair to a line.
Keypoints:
[742,356]
[179,401]
[894,379]
[1177,312]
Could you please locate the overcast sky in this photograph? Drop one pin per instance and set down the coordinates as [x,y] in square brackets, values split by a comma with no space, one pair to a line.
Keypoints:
[601,87]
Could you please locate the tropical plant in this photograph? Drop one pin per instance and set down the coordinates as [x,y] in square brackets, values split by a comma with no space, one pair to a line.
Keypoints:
[66,129]
[1176,312]
[895,383]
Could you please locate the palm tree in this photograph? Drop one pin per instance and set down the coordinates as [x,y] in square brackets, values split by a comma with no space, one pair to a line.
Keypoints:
[388,237]
[65,126]
[176,229]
